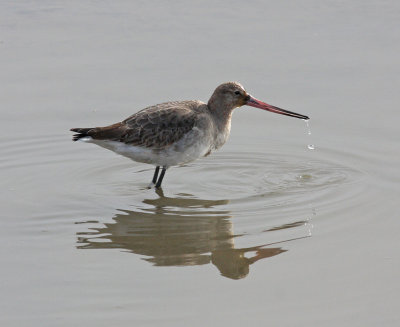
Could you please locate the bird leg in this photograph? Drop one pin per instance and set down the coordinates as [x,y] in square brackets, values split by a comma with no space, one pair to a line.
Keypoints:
[155,176]
[154,181]
[160,179]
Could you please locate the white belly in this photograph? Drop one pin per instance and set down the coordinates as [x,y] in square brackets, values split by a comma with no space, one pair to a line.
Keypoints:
[189,148]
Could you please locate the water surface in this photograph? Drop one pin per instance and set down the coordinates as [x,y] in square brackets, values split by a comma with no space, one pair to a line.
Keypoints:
[263,228]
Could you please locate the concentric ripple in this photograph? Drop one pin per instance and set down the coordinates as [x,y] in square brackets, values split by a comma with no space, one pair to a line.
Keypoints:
[214,210]
[255,186]
[257,182]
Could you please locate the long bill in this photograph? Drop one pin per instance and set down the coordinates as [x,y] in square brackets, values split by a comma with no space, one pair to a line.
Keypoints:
[253,102]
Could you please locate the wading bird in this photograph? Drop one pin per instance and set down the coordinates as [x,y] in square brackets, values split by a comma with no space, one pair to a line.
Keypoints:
[175,133]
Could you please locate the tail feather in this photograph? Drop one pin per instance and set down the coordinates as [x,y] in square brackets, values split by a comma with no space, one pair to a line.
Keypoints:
[112,132]
[82,132]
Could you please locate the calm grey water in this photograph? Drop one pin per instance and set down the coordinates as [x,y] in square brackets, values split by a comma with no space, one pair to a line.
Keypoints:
[266,231]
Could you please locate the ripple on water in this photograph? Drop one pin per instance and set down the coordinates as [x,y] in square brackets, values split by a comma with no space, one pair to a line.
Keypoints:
[256,181]
[245,183]
[267,199]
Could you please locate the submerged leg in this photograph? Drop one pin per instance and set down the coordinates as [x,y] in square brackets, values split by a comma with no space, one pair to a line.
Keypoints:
[155,175]
[160,179]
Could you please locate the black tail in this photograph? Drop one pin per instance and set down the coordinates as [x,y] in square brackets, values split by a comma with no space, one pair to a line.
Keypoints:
[82,132]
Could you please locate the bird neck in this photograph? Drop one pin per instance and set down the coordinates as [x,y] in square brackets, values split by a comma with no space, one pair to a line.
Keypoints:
[221,112]
[222,121]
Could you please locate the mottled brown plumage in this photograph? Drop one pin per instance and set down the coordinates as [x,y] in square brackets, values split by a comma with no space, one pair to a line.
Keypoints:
[161,125]
[174,133]
[154,127]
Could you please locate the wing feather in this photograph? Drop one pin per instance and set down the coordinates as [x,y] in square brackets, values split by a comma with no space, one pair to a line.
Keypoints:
[159,126]
[154,127]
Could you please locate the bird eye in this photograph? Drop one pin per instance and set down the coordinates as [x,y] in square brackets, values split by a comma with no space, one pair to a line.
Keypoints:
[237,92]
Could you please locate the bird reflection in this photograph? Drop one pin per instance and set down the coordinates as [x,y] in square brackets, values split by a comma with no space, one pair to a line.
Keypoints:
[178,231]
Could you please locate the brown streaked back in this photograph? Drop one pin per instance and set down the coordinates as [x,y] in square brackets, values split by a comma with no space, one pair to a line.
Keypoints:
[154,127]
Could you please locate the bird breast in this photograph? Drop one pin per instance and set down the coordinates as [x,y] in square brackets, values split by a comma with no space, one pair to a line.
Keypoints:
[222,134]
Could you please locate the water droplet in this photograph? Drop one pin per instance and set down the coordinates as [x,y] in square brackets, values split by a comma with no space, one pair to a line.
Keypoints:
[309,146]
[308,127]
[309,225]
